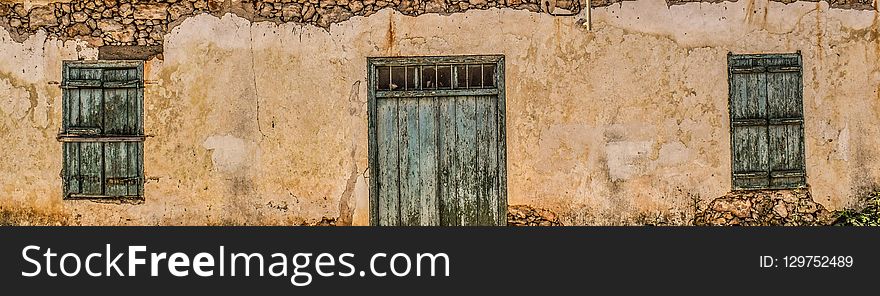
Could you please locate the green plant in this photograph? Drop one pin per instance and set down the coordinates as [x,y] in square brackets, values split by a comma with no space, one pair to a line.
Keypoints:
[868,216]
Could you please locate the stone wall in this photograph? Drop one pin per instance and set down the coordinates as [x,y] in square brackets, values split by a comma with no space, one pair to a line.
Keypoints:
[765,208]
[145,22]
[843,4]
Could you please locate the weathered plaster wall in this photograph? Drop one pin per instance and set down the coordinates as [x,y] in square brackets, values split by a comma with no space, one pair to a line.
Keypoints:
[265,123]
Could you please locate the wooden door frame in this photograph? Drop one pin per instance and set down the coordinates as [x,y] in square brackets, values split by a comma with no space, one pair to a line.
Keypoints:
[373,62]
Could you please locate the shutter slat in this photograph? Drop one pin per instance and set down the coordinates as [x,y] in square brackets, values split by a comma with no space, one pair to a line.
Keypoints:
[749,122]
[784,121]
[783,69]
[748,70]
[76,138]
[122,84]
[82,83]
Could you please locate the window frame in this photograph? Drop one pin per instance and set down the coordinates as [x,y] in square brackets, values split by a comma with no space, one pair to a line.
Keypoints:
[75,134]
[759,66]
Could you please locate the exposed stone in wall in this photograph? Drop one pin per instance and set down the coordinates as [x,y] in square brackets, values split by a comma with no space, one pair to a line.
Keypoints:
[765,208]
[523,215]
[100,22]
[144,22]
[845,4]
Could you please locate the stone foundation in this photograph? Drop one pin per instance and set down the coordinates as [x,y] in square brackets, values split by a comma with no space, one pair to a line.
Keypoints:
[765,208]
[524,215]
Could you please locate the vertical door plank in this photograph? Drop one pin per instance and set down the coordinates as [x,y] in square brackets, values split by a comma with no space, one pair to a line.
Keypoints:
[408,143]
[490,125]
[428,176]
[466,159]
[481,169]
[446,143]
[501,135]
[387,129]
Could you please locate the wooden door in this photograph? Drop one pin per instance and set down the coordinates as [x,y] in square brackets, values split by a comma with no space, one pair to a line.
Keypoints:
[437,141]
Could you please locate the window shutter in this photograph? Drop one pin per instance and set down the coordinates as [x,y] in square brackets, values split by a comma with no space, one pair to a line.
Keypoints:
[748,111]
[766,116]
[103,130]
[83,98]
[123,175]
[785,122]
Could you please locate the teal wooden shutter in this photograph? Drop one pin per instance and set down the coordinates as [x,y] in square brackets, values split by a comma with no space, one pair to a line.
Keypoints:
[102,130]
[786,122]
[766,116]
[437,141]
[83,116]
